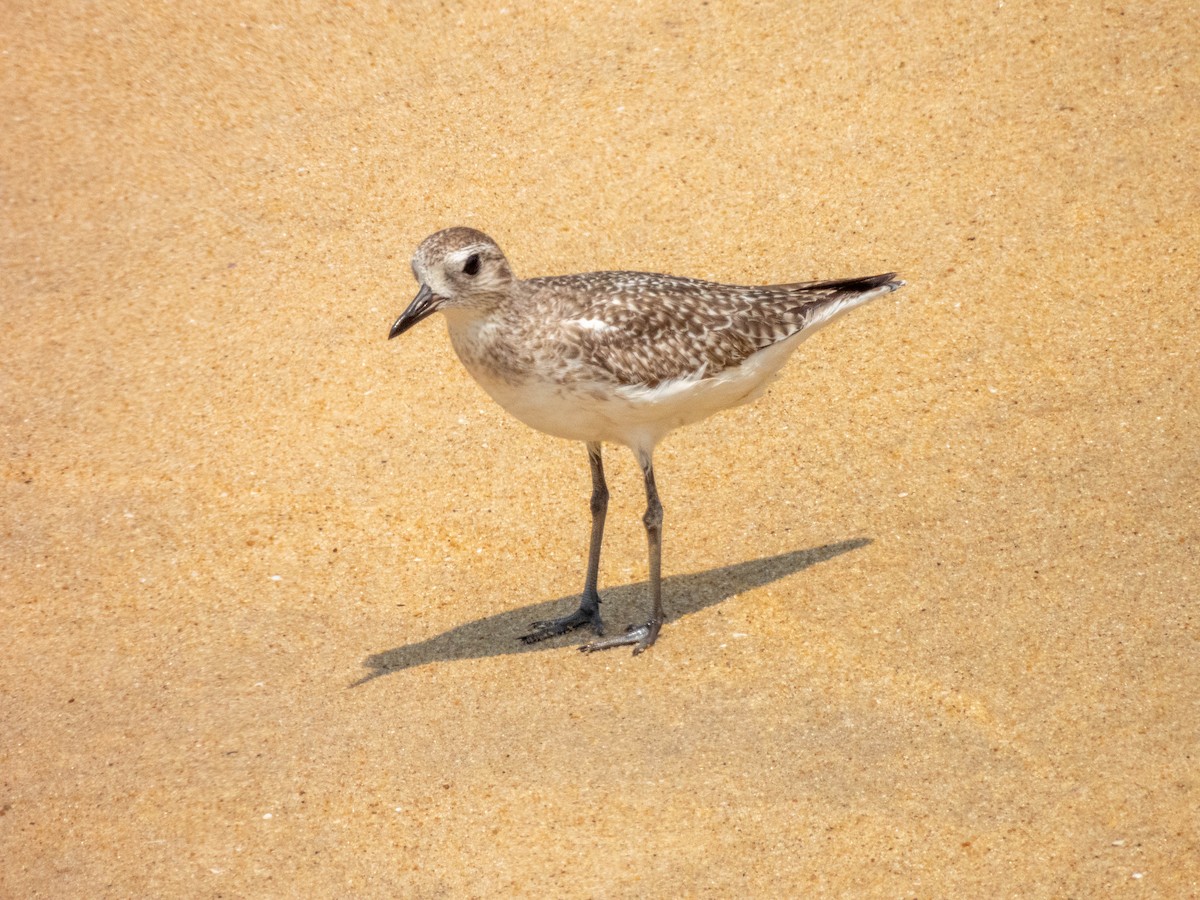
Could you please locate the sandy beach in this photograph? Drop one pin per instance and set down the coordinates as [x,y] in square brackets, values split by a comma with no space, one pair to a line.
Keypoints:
[933,605]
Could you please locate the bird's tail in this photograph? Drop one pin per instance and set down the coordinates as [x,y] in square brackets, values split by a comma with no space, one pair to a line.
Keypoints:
[824,301]
[852,285]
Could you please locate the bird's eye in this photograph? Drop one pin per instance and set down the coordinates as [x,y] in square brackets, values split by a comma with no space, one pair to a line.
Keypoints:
[471,266]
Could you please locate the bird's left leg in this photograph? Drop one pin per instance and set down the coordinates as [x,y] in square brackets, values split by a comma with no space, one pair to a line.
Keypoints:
[589,606]
[643,636]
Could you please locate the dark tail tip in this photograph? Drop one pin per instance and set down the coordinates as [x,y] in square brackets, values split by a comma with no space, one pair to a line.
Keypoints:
[869,282]
[859,285]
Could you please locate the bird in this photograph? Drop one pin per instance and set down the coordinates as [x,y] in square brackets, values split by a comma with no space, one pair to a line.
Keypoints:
[616,357]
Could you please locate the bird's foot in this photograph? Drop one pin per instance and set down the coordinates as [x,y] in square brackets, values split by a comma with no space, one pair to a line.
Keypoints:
[640,637]
[585,615]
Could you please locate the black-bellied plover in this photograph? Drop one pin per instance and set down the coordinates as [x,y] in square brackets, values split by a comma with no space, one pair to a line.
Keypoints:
[618,357]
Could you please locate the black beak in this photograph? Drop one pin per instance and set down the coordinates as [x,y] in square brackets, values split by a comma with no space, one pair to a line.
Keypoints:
[425,304]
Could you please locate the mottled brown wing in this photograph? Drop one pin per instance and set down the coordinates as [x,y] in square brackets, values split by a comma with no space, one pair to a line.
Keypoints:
[659,327]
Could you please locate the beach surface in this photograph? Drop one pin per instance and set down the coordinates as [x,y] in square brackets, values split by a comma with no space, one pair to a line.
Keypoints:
[933,602]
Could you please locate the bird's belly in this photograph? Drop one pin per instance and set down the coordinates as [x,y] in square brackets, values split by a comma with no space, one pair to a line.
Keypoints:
[564,400]
[638,416]
[572,411]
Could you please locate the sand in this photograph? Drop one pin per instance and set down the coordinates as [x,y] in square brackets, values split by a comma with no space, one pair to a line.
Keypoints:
[933,624]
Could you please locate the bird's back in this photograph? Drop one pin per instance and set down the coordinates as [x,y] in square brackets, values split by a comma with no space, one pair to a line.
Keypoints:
[643,329]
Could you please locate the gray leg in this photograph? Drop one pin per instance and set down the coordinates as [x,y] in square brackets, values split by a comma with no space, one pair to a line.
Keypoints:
[643,636]
[589,606]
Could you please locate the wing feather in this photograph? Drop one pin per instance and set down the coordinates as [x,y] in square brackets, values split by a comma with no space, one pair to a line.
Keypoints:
[658,328]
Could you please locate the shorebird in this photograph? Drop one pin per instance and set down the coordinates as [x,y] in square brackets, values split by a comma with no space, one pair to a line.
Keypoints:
[616,357]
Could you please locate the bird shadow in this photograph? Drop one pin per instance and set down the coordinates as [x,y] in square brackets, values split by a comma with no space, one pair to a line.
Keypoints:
[499,635]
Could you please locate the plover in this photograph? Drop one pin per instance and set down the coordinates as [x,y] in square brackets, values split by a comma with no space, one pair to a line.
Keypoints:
[616,357]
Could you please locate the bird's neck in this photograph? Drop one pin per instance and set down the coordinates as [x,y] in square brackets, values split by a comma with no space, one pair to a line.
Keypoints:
[484,344]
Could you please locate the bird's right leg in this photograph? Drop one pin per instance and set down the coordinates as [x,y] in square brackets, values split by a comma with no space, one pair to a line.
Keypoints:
[589,606]
[642,637]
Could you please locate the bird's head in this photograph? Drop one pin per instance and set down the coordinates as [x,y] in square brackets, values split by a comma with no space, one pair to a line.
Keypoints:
[459,268]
